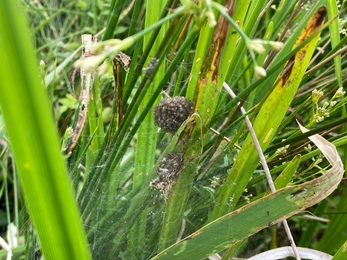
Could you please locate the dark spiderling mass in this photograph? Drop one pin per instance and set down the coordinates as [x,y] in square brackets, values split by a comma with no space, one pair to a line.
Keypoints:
[170,113]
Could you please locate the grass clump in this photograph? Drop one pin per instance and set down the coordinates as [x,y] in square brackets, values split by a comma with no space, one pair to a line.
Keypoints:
[146,172]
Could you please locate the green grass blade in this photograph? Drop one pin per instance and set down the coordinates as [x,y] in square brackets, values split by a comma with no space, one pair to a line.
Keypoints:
[113,19]
[34,140]
[335,37]
[147,133]
[334,236]
[286,175]
[341,253]
[235,66]
[267,121]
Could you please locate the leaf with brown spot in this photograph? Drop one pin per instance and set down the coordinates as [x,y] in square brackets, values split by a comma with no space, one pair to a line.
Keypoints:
[269,118]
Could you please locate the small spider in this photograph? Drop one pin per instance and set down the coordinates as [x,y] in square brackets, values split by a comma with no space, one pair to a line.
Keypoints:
[151,66]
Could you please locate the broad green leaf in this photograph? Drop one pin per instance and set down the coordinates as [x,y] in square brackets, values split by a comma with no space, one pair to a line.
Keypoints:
[35,144]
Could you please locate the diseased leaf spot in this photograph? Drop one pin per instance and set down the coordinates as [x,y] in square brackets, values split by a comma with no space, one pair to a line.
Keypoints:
[321,12]
[287,70]
[298,193]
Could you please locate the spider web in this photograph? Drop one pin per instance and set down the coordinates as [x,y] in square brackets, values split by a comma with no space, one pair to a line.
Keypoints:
[108,233]
[118,230]
[128,219]
[122,232]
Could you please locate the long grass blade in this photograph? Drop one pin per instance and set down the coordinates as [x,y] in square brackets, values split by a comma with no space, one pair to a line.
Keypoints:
[34,140]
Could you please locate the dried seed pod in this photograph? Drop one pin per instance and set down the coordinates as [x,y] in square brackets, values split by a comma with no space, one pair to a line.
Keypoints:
[170,113]
[168,169]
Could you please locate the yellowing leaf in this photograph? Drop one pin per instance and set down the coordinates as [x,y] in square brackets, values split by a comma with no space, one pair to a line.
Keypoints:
[269,117]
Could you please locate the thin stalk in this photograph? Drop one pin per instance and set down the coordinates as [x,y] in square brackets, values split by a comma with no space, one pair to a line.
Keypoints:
[113,19]
[265,167]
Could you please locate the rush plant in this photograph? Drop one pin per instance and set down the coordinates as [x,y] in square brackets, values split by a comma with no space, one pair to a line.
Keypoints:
[169,129]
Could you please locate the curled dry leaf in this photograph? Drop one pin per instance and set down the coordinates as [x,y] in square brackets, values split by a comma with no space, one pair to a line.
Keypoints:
[330,152]
[327,148]
[283,252]
[314,191]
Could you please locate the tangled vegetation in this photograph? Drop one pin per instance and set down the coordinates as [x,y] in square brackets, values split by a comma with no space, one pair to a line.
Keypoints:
[121,136]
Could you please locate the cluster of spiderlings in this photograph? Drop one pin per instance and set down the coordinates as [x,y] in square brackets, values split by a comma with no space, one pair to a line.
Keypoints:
[168,169]
[169,166]
[170,113]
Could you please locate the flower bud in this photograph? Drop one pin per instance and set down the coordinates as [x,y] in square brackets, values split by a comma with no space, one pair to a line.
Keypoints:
[259,71]
[256,45]
[276,45]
